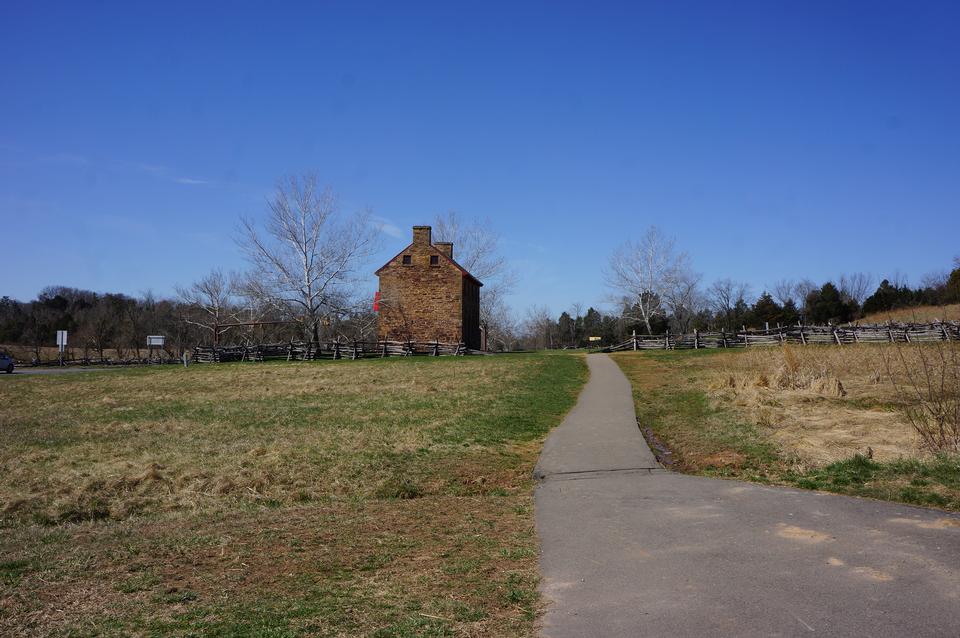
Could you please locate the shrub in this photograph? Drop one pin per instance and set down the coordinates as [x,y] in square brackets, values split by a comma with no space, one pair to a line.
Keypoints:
[927,379]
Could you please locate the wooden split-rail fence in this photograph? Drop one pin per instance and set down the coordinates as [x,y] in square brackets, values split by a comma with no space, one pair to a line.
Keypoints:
[799,334]
[312,351]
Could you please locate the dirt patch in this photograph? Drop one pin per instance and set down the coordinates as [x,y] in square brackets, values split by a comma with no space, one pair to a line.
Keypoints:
[801,534]
[872,574]
[940,523]
[721,460]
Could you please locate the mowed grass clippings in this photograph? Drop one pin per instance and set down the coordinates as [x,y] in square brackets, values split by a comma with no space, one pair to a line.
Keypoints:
[381,497]
[823,418]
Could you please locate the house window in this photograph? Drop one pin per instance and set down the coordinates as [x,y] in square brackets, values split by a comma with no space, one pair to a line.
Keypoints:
[434,260]
[407,260]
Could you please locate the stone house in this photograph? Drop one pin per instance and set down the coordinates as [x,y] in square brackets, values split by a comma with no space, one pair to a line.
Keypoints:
[425,295]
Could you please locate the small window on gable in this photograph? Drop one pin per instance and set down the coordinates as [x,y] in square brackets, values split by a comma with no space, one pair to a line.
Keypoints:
[407,260]
[434,260]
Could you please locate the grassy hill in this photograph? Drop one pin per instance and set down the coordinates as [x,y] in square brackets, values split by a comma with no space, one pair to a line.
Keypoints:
[919,314]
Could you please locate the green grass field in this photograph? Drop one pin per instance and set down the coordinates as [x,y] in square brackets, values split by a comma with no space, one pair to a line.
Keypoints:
[382,497]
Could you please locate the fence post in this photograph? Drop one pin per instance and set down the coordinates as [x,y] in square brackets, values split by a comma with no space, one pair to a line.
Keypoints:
[696,339]
[634,339]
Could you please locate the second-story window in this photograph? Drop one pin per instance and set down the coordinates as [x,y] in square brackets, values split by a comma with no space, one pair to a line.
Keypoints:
[434,260]
[407,260]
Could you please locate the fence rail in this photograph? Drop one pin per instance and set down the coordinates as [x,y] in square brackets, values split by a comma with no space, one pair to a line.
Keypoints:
[311,351]
[93,362]
[803,335]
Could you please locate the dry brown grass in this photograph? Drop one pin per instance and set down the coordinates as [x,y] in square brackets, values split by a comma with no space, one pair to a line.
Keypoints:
[825,404]
[919,314]
[817,417]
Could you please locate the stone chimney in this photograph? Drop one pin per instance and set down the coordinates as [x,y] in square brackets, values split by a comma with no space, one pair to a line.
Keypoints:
[421,235]
[445,247]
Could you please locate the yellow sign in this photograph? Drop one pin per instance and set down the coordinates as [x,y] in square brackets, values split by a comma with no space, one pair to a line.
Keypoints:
[595,338]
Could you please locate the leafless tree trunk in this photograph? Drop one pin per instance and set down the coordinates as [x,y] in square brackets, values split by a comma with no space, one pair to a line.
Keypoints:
[307,257]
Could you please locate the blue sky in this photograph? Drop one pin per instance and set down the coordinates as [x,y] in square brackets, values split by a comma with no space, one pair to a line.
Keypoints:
[774,139]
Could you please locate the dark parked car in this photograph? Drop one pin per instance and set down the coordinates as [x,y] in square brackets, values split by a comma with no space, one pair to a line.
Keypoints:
[6,363]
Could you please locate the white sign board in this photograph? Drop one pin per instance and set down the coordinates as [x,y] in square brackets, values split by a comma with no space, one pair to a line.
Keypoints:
[61,339]
[594,338]
[155,340]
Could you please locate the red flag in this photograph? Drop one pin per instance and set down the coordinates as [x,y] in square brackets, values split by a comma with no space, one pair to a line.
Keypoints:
[376,301]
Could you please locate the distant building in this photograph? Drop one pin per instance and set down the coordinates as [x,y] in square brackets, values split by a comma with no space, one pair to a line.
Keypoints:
[425,295]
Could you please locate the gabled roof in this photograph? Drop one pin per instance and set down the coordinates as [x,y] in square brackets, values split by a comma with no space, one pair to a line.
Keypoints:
[465,272]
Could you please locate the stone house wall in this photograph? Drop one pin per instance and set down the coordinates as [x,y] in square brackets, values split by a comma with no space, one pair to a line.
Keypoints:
[426,296]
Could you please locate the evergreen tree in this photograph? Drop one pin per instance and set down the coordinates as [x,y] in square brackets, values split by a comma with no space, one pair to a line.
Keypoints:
[952,292]
[789,314]
[827,305]
[766,311]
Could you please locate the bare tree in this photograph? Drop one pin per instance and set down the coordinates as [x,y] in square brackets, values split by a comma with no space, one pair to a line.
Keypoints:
[100,326]
[724,295]
[899,279]
[576,314]
[307,258]
[477,248]
[212,303]
[784,290]
[683,299]
[648,272]
[856,286]
[540,330]
[502,333]
[803,288]
[937,279]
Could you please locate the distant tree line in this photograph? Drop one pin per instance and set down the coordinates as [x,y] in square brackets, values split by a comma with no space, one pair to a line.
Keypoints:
[304,283]
[96,323]
[115,326]
[656,290]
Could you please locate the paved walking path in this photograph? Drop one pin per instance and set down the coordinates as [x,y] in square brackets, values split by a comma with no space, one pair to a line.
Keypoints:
[629,549]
